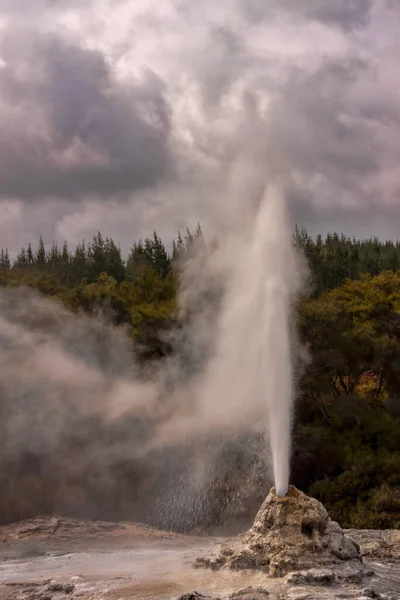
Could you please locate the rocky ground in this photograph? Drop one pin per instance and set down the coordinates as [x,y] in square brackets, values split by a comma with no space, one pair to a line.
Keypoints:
[66,559]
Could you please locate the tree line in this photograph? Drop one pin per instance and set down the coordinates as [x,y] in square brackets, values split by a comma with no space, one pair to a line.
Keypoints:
[332,259]
[100,255]
[335,258]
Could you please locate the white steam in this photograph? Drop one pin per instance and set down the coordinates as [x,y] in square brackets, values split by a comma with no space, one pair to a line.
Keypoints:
[249,378]
[68,384]
[246,381]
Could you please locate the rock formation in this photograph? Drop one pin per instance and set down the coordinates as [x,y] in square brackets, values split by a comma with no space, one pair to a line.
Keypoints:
[289,534]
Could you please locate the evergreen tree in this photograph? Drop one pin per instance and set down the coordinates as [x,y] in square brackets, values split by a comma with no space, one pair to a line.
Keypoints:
[7,262]
[189,239]
[148,254]
[114,263]
[29,255]
[79,263]
[40,256]
[4,259]
[65,255]
[138,260]
[159,256]
[21,262]
[178,247]
[53,258]
[199,238]
[96,256]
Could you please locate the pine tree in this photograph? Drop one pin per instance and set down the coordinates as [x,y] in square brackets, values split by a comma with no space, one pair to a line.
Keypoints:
[174,250]
[159,256]
[178,248]
[114,265]
[96,256]
[189,239]
[180,243]
[138,260]
[29,255]
[21,262]
[53,258]
[65,255]
[199,238]
[4,259]
[7,262]
[199,232]
[79,263]
[40,256]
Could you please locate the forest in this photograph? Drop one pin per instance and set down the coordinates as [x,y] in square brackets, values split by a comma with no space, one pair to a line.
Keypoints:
[346,448]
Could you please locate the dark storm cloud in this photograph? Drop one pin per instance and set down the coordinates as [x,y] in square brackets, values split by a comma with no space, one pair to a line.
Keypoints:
[345,14]
[70,128]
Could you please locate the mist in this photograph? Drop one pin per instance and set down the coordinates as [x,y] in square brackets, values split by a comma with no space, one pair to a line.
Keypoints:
[86,431]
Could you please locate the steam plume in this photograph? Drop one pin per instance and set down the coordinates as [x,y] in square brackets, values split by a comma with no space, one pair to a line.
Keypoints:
[69,386]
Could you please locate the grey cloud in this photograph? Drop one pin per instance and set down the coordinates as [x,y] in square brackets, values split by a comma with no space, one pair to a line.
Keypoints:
[328,135]
[364,221]
[71,128]
[229,59]
[345,14]
[35,7]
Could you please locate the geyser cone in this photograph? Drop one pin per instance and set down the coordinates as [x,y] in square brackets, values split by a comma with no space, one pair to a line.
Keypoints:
[290,533]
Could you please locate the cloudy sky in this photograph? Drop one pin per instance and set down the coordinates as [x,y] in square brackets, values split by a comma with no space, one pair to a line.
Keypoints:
[132,115]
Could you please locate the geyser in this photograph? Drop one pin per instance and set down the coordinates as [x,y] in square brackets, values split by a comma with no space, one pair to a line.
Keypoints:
[252,362]
[277,282]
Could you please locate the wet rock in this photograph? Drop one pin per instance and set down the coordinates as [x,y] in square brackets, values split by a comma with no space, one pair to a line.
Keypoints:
[41,590]
[353,575]
[195,596]
[293,533]
[65,588]
[341,546]
[250,593]
[370,593]
[312,577]
[378,544]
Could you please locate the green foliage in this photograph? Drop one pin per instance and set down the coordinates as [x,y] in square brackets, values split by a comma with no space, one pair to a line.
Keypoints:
[353,332]
[103,256]
[353,335]
[148,255]
[336,258]
[45,283]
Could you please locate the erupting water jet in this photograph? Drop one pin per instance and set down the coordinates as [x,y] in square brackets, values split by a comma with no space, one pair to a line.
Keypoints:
[277,283]
[251,362]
